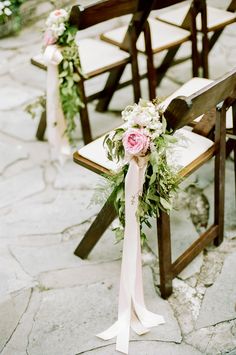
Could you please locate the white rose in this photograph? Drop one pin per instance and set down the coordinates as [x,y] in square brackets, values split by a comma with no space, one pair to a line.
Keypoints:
[7,3]
[58,16]
[1,6]
[7,11]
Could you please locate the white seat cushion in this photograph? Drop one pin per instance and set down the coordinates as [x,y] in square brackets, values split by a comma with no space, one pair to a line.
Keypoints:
[182,156]
[95,56]
[216,18]
[163,36]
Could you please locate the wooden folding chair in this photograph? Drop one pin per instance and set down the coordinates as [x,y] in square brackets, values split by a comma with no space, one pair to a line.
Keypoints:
[219,96]
[209,21]
[98,57]
[158,37]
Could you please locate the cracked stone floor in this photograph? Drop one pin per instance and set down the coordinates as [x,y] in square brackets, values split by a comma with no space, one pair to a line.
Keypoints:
[53,303]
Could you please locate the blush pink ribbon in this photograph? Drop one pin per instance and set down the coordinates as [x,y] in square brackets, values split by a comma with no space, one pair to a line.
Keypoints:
[131,308]
[56,125]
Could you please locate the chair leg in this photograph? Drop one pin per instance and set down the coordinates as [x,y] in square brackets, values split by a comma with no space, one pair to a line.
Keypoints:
[164,247]
[151,72]
[165,65]
[220,174]
[110,88]
[105,217]
[84,116]
[42,126]
[205,42]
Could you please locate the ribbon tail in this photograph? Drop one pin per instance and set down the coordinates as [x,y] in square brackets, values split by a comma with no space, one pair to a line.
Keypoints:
[56,124]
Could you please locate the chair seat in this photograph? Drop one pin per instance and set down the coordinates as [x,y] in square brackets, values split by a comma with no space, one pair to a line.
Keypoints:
[216,18]
[183,155]
[96,57]
[163,36]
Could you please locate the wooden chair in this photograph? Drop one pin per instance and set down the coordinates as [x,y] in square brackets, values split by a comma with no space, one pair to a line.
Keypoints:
[209,21]
[158,37]
[108,58]
[217,96]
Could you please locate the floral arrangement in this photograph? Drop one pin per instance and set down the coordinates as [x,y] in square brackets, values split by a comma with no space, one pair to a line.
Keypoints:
[59,32]
[143,134]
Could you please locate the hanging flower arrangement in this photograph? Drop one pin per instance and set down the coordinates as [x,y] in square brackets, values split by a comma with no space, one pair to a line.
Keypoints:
[144,139]
[59,32]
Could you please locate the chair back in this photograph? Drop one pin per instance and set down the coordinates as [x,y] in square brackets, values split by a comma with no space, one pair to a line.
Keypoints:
[183,110]
[84,17]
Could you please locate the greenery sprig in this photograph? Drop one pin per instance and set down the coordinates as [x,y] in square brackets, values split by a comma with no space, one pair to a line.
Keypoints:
[60,32]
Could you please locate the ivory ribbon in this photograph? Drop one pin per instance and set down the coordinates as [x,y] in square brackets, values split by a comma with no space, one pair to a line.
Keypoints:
[55,118]
[131,308]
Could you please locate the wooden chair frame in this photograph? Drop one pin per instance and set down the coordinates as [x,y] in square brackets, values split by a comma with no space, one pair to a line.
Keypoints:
[218,96]
[155,75]
[84,17]
[196,7]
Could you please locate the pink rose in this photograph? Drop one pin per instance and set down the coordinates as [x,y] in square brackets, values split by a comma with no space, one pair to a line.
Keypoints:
[135,142]
[49,38]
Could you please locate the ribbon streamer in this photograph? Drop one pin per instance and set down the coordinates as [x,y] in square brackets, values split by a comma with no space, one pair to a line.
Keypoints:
[131,308]
[56,125]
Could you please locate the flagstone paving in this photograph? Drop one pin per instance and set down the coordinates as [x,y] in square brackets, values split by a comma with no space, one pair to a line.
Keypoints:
[52,302]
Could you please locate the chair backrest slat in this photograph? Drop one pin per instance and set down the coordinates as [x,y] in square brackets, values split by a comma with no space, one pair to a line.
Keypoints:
[183,110]
[84,17]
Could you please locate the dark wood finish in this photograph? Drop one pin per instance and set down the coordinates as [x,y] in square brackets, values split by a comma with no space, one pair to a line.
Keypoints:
[205,98]
[220,138]
[164,248]
[137,24]
[84,116]
[42,126]
[216,98]
[206,126]
[105,217]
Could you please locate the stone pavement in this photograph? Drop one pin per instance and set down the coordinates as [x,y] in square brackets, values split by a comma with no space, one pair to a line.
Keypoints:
[53,303]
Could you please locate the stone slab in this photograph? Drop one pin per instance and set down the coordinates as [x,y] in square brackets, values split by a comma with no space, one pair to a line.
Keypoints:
[11,311]
[219,301]
[48,213]
[73,176]
[50,257]
[10,154]
[13,95]
[31,182]
[26,73]
[13,277]
[25,38]
[219,339]
[12,121]
[147,348]
[19,340]
[81,312]
[82,275]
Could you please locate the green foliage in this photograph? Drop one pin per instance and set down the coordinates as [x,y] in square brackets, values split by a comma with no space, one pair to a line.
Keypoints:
[161,180]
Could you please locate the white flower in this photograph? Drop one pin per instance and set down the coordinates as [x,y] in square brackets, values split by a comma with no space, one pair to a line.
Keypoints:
[58,30]
[7,3]
[1,6]
[1,12]
[7,11]
[56,17]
